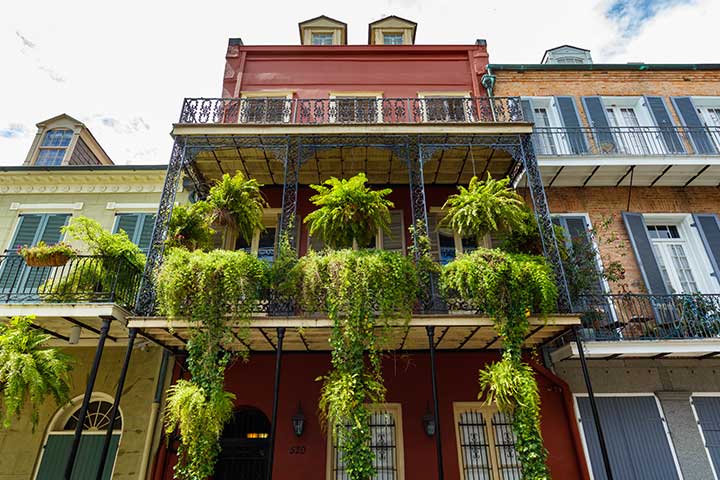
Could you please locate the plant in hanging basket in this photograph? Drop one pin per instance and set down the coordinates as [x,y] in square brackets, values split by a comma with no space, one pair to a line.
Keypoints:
[238,201]
[43,255]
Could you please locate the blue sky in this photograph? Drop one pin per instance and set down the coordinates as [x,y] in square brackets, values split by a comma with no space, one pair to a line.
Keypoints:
[123,68]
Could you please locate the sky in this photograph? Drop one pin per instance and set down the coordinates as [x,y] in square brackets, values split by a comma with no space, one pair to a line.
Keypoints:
[123,68]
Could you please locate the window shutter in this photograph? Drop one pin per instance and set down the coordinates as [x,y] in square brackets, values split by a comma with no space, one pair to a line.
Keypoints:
[642,247]
[708,227]
[577,229]
[127,222]
[696,129]
[13,266]
[394,241]
[25,232]
[52,234]
[660,113]
[146,231]
[708,414]
[595,111]
[526,106]
[571,122]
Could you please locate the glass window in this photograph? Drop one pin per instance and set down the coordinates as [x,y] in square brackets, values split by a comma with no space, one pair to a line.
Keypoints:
[322,38]
[266,244]
[393,38]
[53,147]
[671,252]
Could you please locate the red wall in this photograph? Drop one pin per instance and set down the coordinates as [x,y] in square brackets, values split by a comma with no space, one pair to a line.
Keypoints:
[312,72]
[407,378]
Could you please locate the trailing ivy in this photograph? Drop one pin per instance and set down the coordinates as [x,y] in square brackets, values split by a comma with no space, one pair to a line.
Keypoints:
[212,290]
[359,291]
[29,371]
[509,287]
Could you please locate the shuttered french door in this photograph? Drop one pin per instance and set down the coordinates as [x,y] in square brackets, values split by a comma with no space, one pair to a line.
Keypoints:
[635,435]
[57,449]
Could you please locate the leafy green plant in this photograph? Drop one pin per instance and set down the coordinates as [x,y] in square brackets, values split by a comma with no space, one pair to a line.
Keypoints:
[29,371]
[484,207]
[47,255]
[509,287]
[191,227]
[237,201]
[360,291]
[103,243]
[349,213]
[214,290]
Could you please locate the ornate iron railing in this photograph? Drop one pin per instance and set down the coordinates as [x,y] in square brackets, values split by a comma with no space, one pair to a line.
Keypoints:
[83,279]
[350,110]
[621,141]
[649,317]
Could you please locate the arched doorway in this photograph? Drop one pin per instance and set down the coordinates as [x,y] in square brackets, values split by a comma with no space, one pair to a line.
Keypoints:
[60,436]
[245,442]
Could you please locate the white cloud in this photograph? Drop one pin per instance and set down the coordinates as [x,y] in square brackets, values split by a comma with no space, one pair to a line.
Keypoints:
[131,63]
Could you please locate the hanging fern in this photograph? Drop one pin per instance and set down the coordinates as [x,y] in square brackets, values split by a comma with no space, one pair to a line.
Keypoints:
[509,287]
[30,372]
[349,212]
[360,291]
[484,207]
[238,201]
[191,227]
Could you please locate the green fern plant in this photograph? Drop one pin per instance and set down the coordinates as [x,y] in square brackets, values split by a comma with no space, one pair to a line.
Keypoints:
[349,213]
[191,227]
[237,201]
[484,207]
[29,371]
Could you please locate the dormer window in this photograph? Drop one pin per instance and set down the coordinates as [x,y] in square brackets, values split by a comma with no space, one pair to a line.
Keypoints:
[392,30]
[567,55]
[53,147]
[322,38]
[392,38]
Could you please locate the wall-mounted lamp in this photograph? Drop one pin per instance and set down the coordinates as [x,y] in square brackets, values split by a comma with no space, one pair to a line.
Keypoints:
[74,336]
[428,421]
[298,421]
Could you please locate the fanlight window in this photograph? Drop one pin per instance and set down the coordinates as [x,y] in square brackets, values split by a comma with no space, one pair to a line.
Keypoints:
[96,419]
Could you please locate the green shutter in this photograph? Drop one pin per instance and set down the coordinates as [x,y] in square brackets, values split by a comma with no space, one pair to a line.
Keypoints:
[51,234]
[57,450]
[12,267]
[128,223]
[144,236]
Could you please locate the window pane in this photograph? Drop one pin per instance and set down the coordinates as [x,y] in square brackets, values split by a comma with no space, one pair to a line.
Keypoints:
[322,38]
[266,246]
[682,267]
[57,138]
[50,157]
[383,443]
[474,446]
[393,39]
[505,440]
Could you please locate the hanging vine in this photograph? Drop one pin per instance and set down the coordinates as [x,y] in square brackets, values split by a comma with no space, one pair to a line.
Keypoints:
[213,290]
[360,291]
[509,287]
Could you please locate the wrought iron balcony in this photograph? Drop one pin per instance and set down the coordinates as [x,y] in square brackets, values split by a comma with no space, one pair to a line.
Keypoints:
[649,317]
[347,111]
[627,141]
[83,279]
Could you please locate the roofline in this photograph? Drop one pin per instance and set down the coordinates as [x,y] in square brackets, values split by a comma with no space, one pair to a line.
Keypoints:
[76,168]
[314,49]
[603,66]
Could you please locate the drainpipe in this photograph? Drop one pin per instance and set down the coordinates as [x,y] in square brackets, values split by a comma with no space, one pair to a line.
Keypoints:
[488,81]
[154,409]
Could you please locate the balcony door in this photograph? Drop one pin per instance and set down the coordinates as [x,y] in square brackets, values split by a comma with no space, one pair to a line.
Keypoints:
[710,116]
[629,137]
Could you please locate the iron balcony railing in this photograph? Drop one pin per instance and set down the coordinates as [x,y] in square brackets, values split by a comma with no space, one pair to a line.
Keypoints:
[355,110]
[623,141]
[649,317]
[83,279]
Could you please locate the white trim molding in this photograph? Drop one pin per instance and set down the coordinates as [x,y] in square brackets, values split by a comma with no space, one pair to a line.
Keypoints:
[44,207]
[132,207]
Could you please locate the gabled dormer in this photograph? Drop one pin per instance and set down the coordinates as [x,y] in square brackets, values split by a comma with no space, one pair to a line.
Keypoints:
[567,55]
[392,30]
[63,140]
[323,30]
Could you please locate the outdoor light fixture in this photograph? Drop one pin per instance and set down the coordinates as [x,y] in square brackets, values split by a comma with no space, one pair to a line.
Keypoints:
[428,421]
[74,337]
[298,421]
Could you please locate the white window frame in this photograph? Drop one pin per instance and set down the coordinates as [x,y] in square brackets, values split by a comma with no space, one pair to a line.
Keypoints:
[467,96]
[268,95]
[314,32]
[379,241]
[459,249]
[488,411]
[697,422]
[65,148]
[351,95]
[635,142]
[393,32]
[578,420]
[270,219]
[695,251]
[558,138]
[396,410]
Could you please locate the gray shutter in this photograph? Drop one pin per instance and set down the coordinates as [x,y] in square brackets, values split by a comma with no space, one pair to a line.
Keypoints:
[595,111]
[128,222]
[577,228]
[526,106]
[642,247]
[696,129]
[13,266]
[637,444]
[708,413]
[51,234]
[57,449]
[146,231]
[571,121]
[709,229]
[394,241]
[669,133]
[25,232]
[433,234]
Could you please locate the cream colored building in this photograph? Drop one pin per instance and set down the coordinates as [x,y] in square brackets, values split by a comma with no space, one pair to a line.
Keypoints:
[67,174]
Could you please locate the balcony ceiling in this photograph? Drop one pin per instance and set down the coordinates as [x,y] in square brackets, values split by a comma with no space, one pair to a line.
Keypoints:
[659,173]
[462,332]
[637,349]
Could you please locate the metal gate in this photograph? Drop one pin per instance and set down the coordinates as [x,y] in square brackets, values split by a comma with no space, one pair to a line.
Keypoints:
[244,443]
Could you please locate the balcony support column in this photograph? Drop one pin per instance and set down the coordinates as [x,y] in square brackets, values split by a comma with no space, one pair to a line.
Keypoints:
[132,333]
[436,413]
[86,398]
[145,304]
[276,391]
[593,406]
[288,214]
[549,242]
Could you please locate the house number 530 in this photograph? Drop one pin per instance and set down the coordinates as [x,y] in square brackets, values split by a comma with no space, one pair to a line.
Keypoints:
[297,450]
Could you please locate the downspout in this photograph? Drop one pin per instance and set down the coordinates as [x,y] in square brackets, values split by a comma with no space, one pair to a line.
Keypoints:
[488,81]
[154,410]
